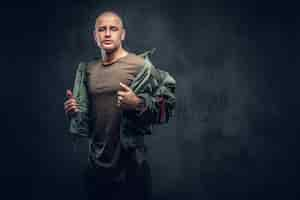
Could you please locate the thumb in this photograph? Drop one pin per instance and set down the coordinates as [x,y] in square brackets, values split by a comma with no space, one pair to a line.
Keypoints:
[69,93]
[125,87]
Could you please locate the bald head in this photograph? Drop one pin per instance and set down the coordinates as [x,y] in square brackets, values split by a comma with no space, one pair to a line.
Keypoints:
[109,31]
[112,15]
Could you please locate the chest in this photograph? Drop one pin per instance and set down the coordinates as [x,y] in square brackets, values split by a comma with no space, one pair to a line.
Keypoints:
[102,79]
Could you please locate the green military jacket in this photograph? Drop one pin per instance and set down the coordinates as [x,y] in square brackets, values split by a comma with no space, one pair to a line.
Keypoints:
[155,86]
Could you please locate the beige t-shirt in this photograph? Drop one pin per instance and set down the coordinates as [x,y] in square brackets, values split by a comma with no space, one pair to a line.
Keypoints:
[103,84]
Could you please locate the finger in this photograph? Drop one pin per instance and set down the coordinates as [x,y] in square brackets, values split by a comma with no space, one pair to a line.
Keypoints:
[70,101]
[120,98]
[70,106]
[121,93]
[72,109]
[118,103]
[124,87]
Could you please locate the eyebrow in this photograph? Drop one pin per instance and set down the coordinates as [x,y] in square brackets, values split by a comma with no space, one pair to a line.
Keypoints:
[109,26]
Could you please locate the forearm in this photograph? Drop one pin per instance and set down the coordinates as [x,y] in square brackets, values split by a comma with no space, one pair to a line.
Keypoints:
[140,105]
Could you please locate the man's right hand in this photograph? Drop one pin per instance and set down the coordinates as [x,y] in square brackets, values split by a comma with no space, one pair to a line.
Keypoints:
[71,106]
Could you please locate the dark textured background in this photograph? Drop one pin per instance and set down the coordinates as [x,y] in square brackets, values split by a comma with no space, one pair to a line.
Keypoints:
[234,134]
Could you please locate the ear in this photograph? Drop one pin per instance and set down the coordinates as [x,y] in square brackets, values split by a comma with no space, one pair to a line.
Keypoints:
[123,35]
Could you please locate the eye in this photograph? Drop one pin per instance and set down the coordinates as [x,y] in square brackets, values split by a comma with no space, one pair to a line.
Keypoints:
[101,29]
[114,28]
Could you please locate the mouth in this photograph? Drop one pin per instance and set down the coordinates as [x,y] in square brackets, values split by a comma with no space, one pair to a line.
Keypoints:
[107,41]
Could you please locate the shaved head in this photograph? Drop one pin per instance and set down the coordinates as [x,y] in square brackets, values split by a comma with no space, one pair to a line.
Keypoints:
[110,14]
[109,31]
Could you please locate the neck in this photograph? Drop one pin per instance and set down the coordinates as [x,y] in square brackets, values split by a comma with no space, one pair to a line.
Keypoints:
[110,57]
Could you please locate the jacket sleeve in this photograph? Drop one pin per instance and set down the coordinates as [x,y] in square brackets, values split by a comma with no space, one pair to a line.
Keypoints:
[160,99]
[79,124]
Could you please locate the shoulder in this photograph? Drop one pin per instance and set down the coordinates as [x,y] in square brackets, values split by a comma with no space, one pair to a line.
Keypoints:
[133,59]
[88,65]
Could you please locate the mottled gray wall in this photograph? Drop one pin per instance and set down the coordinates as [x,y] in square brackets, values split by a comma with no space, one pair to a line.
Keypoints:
[230,134]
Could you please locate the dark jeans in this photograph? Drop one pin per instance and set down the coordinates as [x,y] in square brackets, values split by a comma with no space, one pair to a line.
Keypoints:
[134,183]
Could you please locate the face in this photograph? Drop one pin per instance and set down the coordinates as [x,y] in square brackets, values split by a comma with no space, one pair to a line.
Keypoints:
[109,33]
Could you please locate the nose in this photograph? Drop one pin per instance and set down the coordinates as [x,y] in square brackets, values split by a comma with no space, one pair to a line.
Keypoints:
[107,33]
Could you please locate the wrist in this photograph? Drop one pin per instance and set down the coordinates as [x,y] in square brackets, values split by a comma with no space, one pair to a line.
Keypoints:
[140,104]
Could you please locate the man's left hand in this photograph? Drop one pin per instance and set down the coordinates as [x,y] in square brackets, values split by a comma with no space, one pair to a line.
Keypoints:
[127,99]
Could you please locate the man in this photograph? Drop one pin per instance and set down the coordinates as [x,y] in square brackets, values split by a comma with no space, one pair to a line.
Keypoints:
[116,101]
